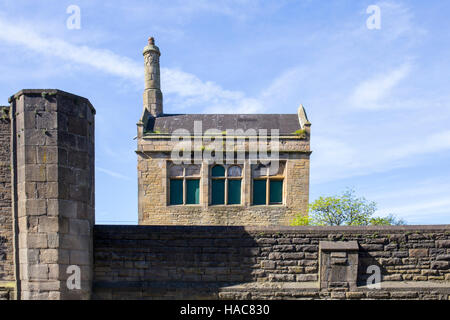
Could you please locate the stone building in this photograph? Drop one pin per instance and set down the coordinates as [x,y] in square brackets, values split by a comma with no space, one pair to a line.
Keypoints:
[218,169]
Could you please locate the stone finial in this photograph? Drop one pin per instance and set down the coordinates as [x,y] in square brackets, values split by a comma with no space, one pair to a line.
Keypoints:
[151,41]
[303,118]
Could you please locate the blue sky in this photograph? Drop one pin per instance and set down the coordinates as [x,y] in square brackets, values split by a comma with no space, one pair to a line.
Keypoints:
[378,100]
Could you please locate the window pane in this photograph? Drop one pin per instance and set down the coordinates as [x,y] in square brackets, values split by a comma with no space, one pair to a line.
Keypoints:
[176,171]
[192,191]
[218,171]
[234,191]
[276,192]
[176,191]
[234,171]
[193,170]
[218,191]
[259,191]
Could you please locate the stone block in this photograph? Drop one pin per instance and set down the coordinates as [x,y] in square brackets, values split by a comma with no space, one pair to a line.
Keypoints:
[355,295]
[36,206]
[443,243]
[306,277]
[36,173]
[36,240]
[443,257]
[338,295]
[267,264]
[440,265]
[418,253]
[49,256]
[400,254]
[48,224]
[68,208]
[47,155]
[80,257]
[38,272]
[281,278]
[393,277]
[79,227]
[382,295]
[404,295]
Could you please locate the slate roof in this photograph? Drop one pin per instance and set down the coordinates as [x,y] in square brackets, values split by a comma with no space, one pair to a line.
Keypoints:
[167,123]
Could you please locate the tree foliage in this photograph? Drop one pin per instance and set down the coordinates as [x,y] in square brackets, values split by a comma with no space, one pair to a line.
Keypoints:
[346,209]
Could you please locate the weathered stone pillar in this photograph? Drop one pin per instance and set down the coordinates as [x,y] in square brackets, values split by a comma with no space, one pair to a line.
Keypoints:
[338,264]
[53,169]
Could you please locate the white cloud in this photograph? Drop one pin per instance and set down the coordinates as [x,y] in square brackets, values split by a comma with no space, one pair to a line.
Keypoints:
[183,90]
[182,12]
[418,190]
[283,89]
[113,174]
[100,59]
[372,93]
[399,21]
[335,158]
[414,211]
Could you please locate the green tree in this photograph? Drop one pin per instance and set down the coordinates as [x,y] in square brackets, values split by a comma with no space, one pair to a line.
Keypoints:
[346,209]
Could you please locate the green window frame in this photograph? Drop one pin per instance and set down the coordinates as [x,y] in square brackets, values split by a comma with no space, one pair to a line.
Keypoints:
[268,187]
[184,185]
[226,183]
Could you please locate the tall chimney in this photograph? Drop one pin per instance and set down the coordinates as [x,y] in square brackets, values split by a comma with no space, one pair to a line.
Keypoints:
[153,99]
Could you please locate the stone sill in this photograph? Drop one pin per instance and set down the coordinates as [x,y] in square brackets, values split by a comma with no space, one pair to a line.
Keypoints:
[151,136]
[410,286]
[147,150]
[310,286]
[272,229]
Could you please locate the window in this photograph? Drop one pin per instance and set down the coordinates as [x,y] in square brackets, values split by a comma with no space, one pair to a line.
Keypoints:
[226,184]
[268,183]
[184,184]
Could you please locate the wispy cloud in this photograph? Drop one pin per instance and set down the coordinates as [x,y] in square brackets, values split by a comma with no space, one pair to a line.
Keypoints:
[400,21]
[99,59]
[182,12]
[372,93]
[113,174]
[418,209]
[337,159]
[183,89]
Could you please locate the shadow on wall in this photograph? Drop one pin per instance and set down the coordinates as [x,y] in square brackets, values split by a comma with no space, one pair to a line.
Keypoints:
[172,263]
[3,242]
[367,260]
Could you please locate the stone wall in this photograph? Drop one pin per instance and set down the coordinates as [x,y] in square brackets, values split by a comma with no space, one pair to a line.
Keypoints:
[151,262]
[53,170]
[6,223]
[155,210]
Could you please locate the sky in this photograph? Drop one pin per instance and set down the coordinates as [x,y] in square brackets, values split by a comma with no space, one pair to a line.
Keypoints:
[378,98]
